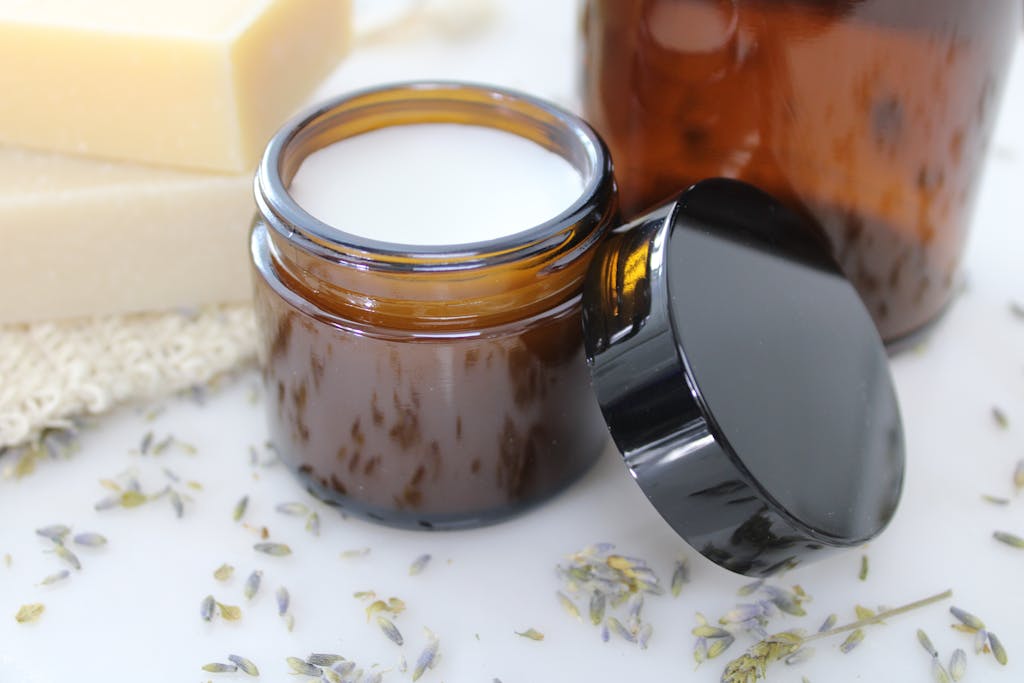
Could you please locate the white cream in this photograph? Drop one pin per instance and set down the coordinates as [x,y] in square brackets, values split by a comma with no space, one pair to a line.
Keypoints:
[435,184]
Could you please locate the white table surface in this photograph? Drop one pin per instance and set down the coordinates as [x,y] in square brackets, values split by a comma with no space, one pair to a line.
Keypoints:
[132,612]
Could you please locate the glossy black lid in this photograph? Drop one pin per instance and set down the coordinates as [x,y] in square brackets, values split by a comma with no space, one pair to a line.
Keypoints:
[743,380]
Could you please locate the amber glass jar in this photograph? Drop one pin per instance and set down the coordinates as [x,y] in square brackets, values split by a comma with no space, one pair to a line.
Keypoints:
[871,117]
[429,386]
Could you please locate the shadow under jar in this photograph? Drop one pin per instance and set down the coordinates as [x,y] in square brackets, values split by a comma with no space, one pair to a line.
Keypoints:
[869,117]
[429,386]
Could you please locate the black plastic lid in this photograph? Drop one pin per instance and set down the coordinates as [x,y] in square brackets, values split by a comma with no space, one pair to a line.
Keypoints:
[743,379]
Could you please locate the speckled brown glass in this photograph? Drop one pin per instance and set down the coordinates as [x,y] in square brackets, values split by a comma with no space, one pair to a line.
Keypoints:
[429,386]
[870,117]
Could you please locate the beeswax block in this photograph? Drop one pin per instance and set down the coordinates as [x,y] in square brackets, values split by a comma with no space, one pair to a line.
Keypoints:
[80,237]
[189,83]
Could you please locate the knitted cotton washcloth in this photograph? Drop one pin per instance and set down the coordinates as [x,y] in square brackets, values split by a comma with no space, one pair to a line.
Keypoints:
[53,372]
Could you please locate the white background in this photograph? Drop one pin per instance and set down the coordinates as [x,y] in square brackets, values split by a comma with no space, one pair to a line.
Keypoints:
[132,613]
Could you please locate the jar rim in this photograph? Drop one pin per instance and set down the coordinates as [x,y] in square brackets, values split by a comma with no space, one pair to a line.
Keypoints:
[442,102]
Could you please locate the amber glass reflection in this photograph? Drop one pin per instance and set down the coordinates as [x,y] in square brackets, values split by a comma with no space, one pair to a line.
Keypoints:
[871,117]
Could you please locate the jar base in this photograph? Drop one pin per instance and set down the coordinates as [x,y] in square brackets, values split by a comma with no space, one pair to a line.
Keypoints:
[408,519]
[911,340]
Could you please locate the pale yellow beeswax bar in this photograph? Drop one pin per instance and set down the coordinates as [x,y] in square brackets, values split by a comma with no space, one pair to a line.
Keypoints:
[81,237]
[196,84]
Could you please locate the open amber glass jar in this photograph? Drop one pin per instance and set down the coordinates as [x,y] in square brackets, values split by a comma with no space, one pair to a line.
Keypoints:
[434,386]
[870,117]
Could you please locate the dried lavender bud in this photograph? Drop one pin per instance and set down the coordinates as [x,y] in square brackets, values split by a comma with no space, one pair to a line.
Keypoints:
[54,532]
[274,549]
[252,584]
[244,664]
[419,565]
[90,540]
[390,630]
[426,659]
[206,608]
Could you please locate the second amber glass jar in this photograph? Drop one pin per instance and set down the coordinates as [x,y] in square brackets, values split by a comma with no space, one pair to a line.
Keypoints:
[429,386]
[870,117]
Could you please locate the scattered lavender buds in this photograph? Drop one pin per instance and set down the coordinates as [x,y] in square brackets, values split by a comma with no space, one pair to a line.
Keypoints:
[863,613]
[244,665]
[396,606]
[313,524]
[680,575]
[54,578]
[54,532]
[531,633]
[939,672]
[163,444]
[719,646]
[240,507]
[302,667]
[427,656]
[177,504]
[229,612]
[568,605]
[643,637]
[789,602]
[131,499]
[374,607]
[90,540]
[752,665]
[390,630]
[997,648]
[981,642]
[274,549]
[616,627]
[967,619]
[29,612]
[750,588]
[108,503]
[252,584]
[344,668]
[598,577]
[597,606]
[852,641]
[283,600]
[1009,539]
[419,564]
[206,608]
[292,509]
[958,664]
[926,643]
[223,572]
[66,555]
[331,676]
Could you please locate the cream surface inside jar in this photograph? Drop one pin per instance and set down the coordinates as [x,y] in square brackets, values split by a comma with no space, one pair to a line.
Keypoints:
[435,184]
